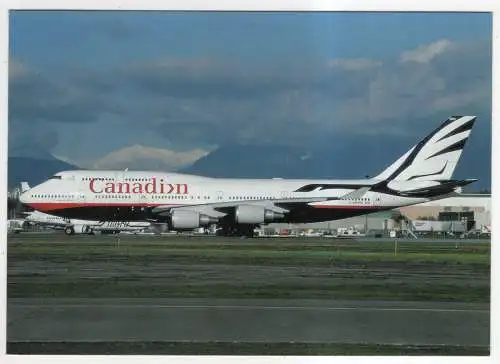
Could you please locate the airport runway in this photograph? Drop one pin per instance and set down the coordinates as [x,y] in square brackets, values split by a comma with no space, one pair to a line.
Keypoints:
[248,320]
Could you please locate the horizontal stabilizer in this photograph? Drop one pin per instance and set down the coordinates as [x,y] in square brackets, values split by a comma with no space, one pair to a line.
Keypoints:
[441,189]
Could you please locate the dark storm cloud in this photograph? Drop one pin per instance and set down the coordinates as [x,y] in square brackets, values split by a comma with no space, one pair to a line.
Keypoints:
[297,102]
[441,78]
[35,96]
[209,78]
[229,102]
[32,139]
[206,101]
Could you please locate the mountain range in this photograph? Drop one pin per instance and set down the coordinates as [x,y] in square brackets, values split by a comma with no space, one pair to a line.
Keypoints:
[33,170]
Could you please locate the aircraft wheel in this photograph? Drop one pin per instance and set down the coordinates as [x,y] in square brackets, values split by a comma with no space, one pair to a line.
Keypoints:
[246,231]
[241,231]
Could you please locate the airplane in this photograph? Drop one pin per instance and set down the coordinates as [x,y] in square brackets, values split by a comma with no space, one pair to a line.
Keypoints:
[237,206]
[76,226]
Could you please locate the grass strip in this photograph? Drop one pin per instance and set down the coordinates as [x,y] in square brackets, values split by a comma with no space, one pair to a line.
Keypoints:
[237,348]
[114,288]
[212,254]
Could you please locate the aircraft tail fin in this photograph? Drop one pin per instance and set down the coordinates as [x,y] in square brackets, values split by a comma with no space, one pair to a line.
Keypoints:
[435,157]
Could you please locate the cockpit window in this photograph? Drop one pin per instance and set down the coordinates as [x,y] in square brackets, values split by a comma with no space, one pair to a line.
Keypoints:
[55,177]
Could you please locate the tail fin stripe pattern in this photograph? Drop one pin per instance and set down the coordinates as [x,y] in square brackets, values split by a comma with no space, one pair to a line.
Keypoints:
[466,127]
[408,161]
[430,174]
[454,147]
[420,161]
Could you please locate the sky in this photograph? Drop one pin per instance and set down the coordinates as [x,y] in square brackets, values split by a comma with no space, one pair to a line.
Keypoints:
[85,84]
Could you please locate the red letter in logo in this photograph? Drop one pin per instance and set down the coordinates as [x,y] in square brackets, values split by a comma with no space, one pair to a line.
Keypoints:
[91,185]
[179,185]
[151,184]
[123,187]
[110,187]
[172,187]
[137,188]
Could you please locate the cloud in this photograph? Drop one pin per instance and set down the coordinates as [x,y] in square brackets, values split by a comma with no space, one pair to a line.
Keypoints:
[37,96]
[143,158]
[454,78]
[427,52]
[203,102]
[32,139]
[215,102]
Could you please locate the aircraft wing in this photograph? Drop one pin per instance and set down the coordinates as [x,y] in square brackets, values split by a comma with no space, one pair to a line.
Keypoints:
[220,209]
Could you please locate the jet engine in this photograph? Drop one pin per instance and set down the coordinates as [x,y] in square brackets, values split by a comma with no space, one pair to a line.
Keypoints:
[249,214]
[186,220]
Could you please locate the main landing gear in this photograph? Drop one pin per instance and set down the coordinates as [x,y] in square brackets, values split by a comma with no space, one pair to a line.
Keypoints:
[246,231]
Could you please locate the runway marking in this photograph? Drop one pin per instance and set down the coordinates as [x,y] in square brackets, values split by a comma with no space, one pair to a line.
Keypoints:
[394,309]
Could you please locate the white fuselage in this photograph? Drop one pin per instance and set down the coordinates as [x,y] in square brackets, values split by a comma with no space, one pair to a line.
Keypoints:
[124,195]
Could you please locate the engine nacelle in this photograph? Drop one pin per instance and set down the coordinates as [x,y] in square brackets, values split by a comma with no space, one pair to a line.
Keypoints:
[77,229]
[81,229]
[249,214]
[186,220]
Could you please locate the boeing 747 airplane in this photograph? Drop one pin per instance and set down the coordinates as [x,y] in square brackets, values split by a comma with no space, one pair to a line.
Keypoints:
[237,206]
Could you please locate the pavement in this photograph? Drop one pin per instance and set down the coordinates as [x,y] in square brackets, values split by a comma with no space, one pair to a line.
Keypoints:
[248,320]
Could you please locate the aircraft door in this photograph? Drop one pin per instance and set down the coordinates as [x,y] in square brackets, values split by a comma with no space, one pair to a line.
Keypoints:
[81,197]
[220,195]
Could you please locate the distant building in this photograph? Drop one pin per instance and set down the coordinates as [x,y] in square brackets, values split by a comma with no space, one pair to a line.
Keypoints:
[475,209]
[374,221]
